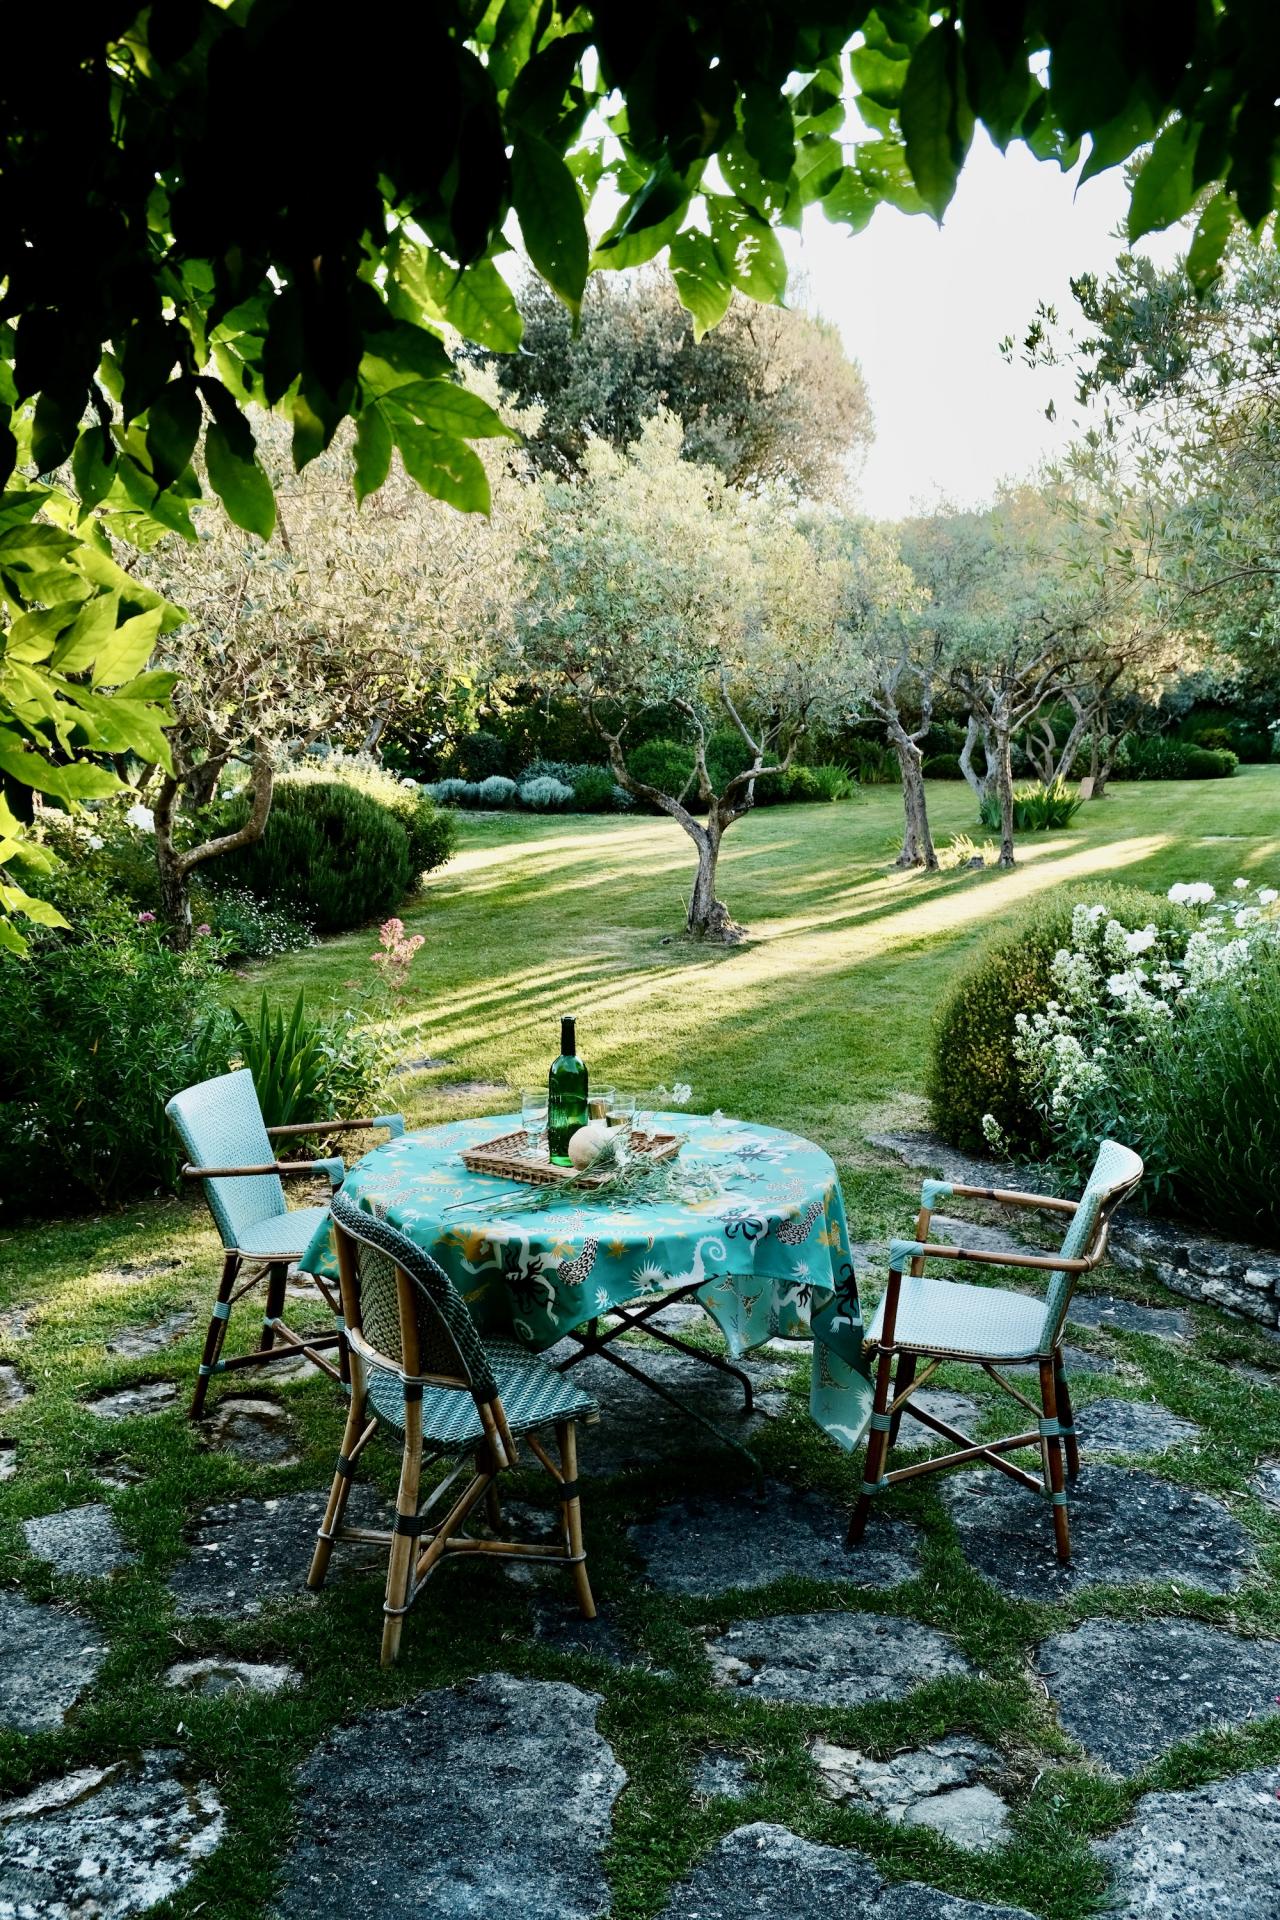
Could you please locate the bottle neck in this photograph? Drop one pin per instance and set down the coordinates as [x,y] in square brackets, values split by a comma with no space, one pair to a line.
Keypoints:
[568,1038]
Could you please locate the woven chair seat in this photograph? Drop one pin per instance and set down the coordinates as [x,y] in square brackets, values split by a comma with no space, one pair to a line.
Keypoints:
[286,1236]
[979,1323]
[533,1394]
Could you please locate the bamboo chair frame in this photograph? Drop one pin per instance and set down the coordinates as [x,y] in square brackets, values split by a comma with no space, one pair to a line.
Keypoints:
[250,1270]
[900,1376]
[427,1532]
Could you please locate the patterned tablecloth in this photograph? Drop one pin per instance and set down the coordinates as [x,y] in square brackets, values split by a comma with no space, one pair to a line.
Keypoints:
[770,1247]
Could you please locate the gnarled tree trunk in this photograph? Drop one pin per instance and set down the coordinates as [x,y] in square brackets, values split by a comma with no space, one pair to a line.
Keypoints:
[708,918]
[980,785]
[917,840]
[1002,773]
[176,865]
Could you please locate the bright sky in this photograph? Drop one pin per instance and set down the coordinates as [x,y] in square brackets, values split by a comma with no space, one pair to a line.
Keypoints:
[924,309]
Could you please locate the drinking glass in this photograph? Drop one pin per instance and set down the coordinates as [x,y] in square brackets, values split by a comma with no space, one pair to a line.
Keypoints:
[533,1112]
[600,1102]
[621,1111]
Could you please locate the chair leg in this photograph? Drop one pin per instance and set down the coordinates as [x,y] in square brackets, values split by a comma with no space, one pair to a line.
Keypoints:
[877,1450]
[344,1473]
[404,1542]
[902,1379]
[276,1274]
[1066,1418]
[571,1513]
[1055,1480]
[217,1333]
[486,1462]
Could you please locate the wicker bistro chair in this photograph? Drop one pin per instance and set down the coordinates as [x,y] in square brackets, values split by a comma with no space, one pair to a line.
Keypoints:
[419,1364]
[989,1327]
[220,1125]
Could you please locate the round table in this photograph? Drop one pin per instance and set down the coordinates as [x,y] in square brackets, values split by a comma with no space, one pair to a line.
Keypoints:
[768,1252]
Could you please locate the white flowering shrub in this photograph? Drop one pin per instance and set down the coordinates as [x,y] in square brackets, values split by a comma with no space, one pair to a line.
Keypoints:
[1107,1047]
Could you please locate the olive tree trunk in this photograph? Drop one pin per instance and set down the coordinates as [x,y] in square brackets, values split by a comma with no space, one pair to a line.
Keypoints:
[177,864]
[917,840]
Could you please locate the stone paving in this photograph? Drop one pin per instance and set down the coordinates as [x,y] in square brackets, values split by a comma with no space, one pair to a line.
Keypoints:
[762,1872]
[1132,1427]
[943,1786]
[1128,1692]
[106,1842]
[641,1430]
[139,1343]
[132,1403]
[1200,1855]
[1126,1527]
[48,1657]
[253,1428]
[832,1659]
[1112,1314]
[518,1788]
[215,1675]
[710,1543]
[12,1388]
[84,1541]
[248,1553]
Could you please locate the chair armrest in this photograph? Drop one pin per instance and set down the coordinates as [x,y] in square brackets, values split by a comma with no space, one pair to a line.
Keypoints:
[393,1122]
[901,1251]
[334,1168]
[932,1191]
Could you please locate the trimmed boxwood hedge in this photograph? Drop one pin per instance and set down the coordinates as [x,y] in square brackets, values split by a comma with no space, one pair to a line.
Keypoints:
[971,1070]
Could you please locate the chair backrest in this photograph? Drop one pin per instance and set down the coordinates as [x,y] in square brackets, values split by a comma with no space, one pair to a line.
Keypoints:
[220,1124]
[1116,1172]
[372,1254]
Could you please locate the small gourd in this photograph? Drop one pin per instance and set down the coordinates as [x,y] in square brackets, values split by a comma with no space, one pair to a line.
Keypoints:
[587,1144]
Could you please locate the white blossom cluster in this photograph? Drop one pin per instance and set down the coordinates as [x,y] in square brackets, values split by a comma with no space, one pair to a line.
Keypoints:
[1115,987]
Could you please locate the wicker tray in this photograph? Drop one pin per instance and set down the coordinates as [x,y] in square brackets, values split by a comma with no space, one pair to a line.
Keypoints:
[515,1156]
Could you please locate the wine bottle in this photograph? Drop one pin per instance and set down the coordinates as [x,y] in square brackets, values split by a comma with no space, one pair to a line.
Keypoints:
[566,1096]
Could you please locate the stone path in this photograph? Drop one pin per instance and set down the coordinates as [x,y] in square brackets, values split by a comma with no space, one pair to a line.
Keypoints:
[1266,1482]
[47,1659]
[8,1458]
[107,1842]
[1132,1427]
[707,1544]
[942,1786]
[722,1776]
[216,1675]
[1075,1359]
[832,1659]
[1126,1526]
[1127,1692]
[255,1429]
[138,1343]
[12,1389]
[957,1409]
[491,1800]
[761,1872]
[249,1553]
[1207,1854]
[637,1429]
[1112,1313]
[558,1623]
[130,1403]
[138,1269]
[84,1541]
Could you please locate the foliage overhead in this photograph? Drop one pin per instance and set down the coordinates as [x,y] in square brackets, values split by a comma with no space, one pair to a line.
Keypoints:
[768,397]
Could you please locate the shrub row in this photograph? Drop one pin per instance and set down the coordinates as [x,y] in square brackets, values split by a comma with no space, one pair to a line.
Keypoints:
[1161,757]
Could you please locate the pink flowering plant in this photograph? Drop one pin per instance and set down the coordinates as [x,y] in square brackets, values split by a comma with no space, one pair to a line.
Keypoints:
[394,955]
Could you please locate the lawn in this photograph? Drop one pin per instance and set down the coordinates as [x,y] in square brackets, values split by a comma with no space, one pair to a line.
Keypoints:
[818,1023]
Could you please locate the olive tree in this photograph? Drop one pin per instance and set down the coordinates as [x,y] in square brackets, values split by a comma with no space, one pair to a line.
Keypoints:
[651,586]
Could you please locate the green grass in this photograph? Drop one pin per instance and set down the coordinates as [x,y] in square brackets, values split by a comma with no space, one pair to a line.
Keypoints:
[819,1023]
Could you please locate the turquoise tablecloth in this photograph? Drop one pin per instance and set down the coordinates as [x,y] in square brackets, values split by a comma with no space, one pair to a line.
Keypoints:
[770,1248]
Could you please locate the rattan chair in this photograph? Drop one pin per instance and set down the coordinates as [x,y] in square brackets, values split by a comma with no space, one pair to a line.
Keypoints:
[220,1126]
[921,1319]
[419,1364]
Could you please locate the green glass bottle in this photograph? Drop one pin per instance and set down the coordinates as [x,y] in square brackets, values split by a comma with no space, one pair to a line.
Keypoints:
[566,1096]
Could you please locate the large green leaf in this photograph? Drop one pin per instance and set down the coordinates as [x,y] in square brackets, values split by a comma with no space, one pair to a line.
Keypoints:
[477,301]
[937,120]
[449,408]
[549,208]
[447,469]
[701,281]
[1213,231]
[240,484]
[1164,188]
[748,250]
[373,450]
[93,467]
[173,427]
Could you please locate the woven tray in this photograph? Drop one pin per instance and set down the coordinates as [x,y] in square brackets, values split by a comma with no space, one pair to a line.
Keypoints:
[517,1157]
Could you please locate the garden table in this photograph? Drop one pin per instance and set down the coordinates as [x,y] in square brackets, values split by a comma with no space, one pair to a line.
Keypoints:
[766,1254]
